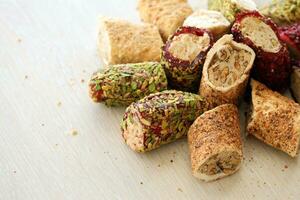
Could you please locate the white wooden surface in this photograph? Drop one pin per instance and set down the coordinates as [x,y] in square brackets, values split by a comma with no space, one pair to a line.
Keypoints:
[46,49]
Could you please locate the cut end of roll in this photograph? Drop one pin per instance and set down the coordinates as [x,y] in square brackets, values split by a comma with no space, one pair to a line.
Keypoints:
[219,166]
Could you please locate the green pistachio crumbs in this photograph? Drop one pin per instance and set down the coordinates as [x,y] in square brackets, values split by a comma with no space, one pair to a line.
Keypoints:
[165,116]
[126,83]
[283,11]
[227,7]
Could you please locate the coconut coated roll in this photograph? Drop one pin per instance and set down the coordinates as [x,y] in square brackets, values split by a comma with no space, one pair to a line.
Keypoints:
[167,15]
[274,119]
[122,42]
[215,143]
[183,57]
[160,118]
[226,72]
[211,20]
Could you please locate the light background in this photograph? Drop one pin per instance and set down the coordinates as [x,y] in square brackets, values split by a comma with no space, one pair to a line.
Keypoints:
[47,48]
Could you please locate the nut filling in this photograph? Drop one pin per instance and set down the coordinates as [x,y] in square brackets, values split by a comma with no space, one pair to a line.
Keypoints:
[224,162]
[160,118]
[228,65]
[188,46]
[260,34]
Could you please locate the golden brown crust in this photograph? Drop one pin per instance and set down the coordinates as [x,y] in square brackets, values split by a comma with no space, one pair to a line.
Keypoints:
[214,132]
[167,15]
[122,42]
[218,95]
[274,119]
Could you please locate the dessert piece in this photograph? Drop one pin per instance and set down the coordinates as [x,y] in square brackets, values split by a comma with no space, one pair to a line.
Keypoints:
[283,11]
[229,8]
[183,56]
[226,72]
[215,143]
[272,63]
[160,118]
[167,15]
[123,42]
[291,36]
[295,83]
[125,83]
[274,119]
[211,20]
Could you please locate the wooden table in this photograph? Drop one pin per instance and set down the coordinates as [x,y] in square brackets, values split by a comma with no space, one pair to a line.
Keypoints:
[55,143]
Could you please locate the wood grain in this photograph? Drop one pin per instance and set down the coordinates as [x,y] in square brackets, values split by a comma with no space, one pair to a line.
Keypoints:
[47,54]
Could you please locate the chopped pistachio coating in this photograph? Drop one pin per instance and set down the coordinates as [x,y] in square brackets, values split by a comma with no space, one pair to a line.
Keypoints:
[229,8]
[283,11]
[126,83]
[160,118]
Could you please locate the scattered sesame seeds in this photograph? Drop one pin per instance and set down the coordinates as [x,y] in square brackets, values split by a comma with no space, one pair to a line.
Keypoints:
[82,81]
[179,189]
[141,183]
[59,104]
[26,76]
[19,40]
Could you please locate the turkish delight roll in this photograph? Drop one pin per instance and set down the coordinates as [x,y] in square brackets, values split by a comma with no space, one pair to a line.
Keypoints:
[295,82]
[215,143]
[283,11]
[226,72]
[183,56]
[274,119]
[291,36]
[229,8]
[125,83]
[167,15]
[160,118]
[121,42]
[272,63]
[211,20]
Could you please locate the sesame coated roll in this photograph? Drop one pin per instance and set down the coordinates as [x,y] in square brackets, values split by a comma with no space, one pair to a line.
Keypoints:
[274,119]
[183,57]
[215,143]
[226,72]
[160,118]
[125,83]
[122,42]
[167,15]
[272,63]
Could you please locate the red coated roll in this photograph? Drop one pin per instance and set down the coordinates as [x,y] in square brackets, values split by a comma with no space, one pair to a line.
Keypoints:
[183,57]
[272,63]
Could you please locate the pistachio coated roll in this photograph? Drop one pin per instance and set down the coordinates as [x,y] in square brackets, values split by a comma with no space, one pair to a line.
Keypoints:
[125,83]
[229,8]
[215,143]
[160,118]
[283,11]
